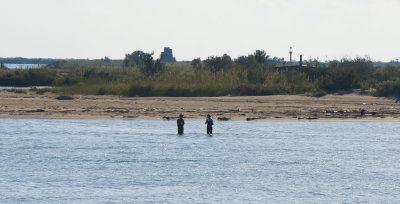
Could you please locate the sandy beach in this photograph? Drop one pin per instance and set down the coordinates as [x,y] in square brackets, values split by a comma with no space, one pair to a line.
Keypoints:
[277,107]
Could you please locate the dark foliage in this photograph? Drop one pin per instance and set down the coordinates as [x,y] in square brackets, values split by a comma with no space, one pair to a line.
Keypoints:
[101,91]
[58,64]
[388,88]
[261,56]
[139,90]
[196,64]
[216,64]
[150,66]
[136,58]
[252,90]
[29,77]
[254,74]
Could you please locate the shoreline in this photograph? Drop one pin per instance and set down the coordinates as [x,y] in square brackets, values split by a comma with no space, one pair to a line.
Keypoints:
[276,107]
[233,119]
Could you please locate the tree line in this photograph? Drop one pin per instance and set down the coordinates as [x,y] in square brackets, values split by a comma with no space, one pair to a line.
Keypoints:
[140,74]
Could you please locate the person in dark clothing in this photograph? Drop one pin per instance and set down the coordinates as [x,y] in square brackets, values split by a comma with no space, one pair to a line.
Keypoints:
[180,122]
[209,123]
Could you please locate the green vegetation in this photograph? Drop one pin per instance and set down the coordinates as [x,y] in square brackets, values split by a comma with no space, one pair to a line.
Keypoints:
[41,90]
[19,91]
[256,74]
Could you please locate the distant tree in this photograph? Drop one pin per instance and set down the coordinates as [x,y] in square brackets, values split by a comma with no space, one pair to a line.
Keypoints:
[212,63]
[394,62]
[106,59]
[162,56]
[246,61]
[226,61]
[196,64]
[136,58]
[218,63]
[261,56]
[158,66]
[331,64]
[316,63]
[254,65]
[147,65]
[349,74]
[58,64]
[150,66]
[276,60]
[363,69]
[241,60]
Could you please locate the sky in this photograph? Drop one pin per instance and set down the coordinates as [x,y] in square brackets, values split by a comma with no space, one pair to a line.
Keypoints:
[92,29]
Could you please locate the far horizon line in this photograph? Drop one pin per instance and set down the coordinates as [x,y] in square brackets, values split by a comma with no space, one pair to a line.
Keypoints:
[177,61]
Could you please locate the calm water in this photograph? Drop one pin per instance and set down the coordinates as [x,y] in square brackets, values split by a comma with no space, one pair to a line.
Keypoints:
[144,161]
[24,66]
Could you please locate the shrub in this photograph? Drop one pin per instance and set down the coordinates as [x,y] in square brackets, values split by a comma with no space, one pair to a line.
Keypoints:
[251,90]
[58,64]
[20,91]
[388,88]
[319,93]
[41,91]
[140,90]
[101,91]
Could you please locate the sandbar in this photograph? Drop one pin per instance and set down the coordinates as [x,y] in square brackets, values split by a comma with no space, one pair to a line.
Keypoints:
[275,107]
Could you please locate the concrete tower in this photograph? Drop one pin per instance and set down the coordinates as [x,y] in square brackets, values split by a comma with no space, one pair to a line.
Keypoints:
[167,55]
[290,54]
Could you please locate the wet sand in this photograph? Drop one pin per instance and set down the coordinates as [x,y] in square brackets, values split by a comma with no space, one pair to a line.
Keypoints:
[277,107]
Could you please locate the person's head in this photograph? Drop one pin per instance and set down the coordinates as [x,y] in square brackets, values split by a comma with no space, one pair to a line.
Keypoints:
[181,115]
[208,116]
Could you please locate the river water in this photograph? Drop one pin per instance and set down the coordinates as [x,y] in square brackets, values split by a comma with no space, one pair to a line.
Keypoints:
[24,66]
[145,161]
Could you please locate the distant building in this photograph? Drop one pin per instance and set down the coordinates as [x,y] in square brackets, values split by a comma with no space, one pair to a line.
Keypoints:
[291,66]
[167,56]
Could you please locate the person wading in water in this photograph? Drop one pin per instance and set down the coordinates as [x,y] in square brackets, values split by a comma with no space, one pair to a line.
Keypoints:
[209,123]
[180,122]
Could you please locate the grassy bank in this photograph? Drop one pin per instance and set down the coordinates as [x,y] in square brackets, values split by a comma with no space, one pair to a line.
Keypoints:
[208,78]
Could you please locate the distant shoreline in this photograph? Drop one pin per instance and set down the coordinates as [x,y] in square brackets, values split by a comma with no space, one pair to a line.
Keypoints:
[346,107]
[188,119]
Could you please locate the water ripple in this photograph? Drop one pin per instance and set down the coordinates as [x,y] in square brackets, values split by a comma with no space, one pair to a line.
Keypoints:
[145,161]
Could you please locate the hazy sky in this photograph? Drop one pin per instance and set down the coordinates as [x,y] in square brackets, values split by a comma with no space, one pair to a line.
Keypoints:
[324,29]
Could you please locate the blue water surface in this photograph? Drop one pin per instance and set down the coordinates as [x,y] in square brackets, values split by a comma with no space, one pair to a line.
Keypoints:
[145,161]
